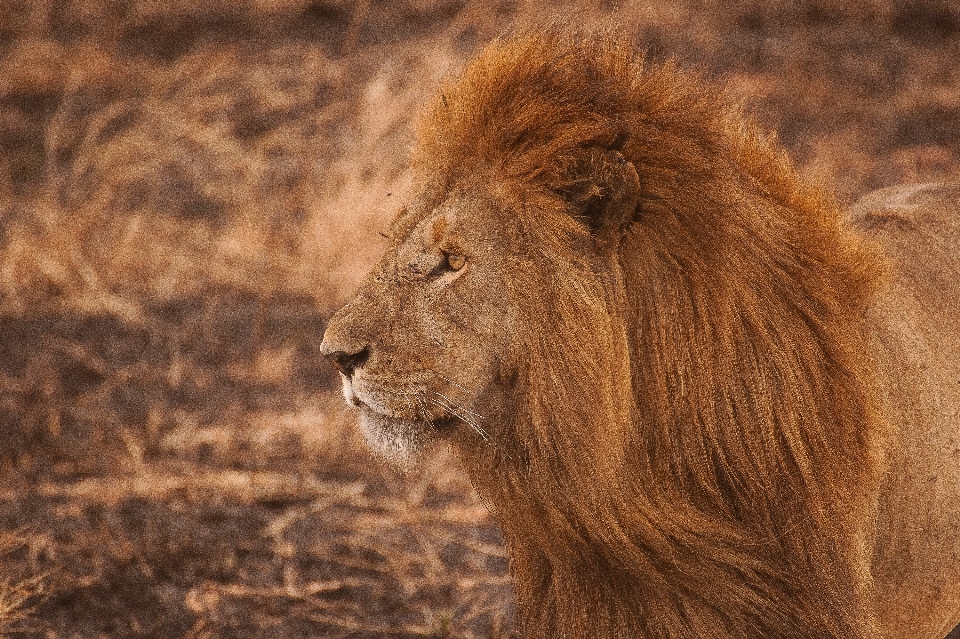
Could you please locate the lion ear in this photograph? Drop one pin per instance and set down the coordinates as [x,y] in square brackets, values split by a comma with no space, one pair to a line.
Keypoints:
[606,192]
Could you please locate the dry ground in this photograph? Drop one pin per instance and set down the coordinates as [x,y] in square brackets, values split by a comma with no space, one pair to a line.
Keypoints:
[187,191]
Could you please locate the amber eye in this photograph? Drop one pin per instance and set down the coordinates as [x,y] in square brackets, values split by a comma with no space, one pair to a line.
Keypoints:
[456,262]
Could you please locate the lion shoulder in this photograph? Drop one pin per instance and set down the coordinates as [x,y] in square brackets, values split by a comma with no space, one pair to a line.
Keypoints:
[917,228]
[914,322]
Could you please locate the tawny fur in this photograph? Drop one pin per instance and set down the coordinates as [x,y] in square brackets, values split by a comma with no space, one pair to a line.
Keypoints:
[687,428]
[728,511]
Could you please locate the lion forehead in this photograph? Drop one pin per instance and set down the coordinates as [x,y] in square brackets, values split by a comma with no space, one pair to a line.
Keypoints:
[464,218]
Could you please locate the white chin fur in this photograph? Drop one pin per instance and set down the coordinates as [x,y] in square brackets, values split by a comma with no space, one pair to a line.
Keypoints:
[398,442]
[348,393]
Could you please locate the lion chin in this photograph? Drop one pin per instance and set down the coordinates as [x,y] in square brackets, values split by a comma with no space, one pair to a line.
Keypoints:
[400,443]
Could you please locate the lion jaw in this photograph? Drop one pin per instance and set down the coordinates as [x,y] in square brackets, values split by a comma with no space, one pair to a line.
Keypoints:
[398,442]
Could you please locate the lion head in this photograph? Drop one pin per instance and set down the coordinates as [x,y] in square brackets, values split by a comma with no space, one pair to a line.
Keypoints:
[632,320]
[422,351]
[437,339]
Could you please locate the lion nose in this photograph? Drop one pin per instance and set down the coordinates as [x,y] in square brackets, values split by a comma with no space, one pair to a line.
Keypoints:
[345,361]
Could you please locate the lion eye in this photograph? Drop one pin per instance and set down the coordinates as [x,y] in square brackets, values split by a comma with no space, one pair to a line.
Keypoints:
[456,262]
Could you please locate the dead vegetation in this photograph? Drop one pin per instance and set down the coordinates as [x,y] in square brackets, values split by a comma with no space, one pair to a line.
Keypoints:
[19,594]
[187,189]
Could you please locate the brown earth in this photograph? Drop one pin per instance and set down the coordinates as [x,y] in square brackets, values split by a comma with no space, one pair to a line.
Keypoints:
[187,191]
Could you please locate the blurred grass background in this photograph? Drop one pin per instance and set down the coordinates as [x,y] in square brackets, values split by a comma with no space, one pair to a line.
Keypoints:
[189,189]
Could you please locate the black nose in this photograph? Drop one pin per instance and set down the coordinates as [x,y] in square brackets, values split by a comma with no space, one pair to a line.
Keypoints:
[346,363]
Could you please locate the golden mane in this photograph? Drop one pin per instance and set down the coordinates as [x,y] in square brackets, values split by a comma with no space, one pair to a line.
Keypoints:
[697,447]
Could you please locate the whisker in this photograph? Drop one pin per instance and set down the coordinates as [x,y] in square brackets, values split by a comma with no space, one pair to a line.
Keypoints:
[457,405]
[464,418]
[461,412]
[448,380]
[426,396]
[423,408]
[401,393]
[406,396]
[420,409]
[452,407]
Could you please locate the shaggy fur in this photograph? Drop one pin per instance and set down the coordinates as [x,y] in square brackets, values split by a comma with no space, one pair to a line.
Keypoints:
[666,361]
[718,480]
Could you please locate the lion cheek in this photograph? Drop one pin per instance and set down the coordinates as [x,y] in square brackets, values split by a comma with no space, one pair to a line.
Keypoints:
[398,442]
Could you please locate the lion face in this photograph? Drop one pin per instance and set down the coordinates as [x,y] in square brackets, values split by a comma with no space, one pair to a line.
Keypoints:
[425,347]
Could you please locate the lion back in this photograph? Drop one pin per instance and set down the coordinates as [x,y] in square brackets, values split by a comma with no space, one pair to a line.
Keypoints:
[915,321]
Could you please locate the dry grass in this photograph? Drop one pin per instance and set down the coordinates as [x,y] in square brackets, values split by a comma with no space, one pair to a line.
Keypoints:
[184,549]
[19,595]
[187,191]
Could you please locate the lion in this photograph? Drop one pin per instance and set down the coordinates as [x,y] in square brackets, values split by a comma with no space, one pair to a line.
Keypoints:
[699,399]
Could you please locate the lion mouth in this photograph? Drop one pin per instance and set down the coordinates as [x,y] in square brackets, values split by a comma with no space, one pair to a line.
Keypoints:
[409,407]
[440,424]
[348,393]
